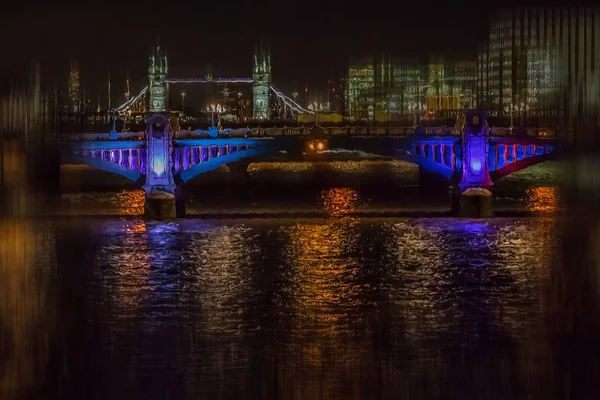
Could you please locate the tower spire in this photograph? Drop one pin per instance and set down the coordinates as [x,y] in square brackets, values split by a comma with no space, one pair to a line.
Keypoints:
[166,63]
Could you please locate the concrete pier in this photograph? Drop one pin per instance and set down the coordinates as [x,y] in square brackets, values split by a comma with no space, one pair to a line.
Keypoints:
[161,206]
[476,203]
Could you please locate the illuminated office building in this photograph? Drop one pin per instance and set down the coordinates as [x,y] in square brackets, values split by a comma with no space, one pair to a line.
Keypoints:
[380,87]
[384,88]
[450,85]
[542,62]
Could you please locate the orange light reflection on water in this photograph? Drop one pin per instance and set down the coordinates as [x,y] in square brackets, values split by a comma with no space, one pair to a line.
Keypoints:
[339,202]
[325,295]
[25,320]
[130,202]
[133,274]
[542,200]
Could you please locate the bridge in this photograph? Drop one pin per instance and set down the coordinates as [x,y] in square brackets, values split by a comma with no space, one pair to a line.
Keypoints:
[155,94]
[162,159]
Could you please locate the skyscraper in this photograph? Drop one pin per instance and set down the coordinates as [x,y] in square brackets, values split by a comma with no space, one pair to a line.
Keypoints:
[543,62]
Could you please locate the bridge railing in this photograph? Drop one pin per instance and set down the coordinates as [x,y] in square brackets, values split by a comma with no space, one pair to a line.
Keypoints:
[542,132]
[94,137]
[308,131]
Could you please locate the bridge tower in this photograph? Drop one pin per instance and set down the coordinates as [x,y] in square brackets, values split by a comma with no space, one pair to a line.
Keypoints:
[157,80]
[261,84]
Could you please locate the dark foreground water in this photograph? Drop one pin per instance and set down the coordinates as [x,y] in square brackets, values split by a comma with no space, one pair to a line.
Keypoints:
[295,309]
[339,306]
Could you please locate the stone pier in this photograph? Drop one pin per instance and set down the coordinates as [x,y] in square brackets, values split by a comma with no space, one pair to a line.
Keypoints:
[475,185]
[161,190]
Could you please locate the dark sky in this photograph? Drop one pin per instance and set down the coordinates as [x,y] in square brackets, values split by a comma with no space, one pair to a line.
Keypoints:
[310,38]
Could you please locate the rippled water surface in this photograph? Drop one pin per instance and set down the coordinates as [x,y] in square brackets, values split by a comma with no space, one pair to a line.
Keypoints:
[314,297]
[328,308]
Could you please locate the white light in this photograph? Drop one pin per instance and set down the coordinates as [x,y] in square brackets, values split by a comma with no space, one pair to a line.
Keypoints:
[159,167]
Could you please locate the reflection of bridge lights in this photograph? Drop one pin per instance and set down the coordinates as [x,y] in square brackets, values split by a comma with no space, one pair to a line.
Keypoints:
[27,252]
[221,260]
[324,294]
[542,200]
[131,202]
[340,201]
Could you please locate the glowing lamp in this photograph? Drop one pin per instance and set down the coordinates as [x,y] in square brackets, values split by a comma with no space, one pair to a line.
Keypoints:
[475,166]
[159,167]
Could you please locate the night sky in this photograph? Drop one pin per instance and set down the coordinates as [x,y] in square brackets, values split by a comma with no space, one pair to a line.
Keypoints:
[310,39]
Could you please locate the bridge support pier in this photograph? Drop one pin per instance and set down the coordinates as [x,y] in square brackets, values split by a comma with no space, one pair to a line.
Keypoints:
[161,205]
[161,191]
[473,203]
[474,188]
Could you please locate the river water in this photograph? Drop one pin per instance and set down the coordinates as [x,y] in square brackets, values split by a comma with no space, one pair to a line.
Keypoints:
[325,299]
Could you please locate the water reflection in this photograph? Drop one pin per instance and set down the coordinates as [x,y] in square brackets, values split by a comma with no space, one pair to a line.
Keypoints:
[321,308]
[26,316]
[542,200]
[218,299]
[326,293]
[339,202]
[130,202]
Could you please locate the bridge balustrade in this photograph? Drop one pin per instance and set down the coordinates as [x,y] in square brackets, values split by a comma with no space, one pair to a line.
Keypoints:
[377,131]
[274,132]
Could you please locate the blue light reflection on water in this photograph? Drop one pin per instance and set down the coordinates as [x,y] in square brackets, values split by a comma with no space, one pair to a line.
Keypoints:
[294,308]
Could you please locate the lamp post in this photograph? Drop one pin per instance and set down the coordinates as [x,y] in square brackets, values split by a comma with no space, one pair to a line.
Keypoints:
[182,101]
[508,109]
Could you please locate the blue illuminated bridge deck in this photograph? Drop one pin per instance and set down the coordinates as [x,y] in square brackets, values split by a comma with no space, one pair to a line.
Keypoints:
[437,150]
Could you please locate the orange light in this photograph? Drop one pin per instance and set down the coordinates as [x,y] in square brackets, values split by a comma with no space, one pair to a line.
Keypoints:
[312,146]
[320,146]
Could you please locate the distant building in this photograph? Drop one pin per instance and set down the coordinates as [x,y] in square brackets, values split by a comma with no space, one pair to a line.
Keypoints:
[157,75]
[450,84]
[386,88]
[74,103]
[380,87]
[261,82]
[542,63]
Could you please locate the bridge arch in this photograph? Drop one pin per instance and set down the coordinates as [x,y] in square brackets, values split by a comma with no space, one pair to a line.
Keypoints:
[125,158]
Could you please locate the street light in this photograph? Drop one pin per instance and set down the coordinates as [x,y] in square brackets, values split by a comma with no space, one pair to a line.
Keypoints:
[509,109]
[182,100]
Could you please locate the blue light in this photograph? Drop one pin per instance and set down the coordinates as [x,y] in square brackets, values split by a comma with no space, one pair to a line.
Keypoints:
[476,165]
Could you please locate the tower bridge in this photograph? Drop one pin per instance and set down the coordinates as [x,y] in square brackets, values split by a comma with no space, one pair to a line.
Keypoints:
[156,93]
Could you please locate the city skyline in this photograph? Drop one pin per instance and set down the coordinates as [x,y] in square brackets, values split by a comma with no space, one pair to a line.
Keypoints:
[305,44]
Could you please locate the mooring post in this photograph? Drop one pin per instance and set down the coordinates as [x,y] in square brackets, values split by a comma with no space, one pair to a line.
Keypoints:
[475,184]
